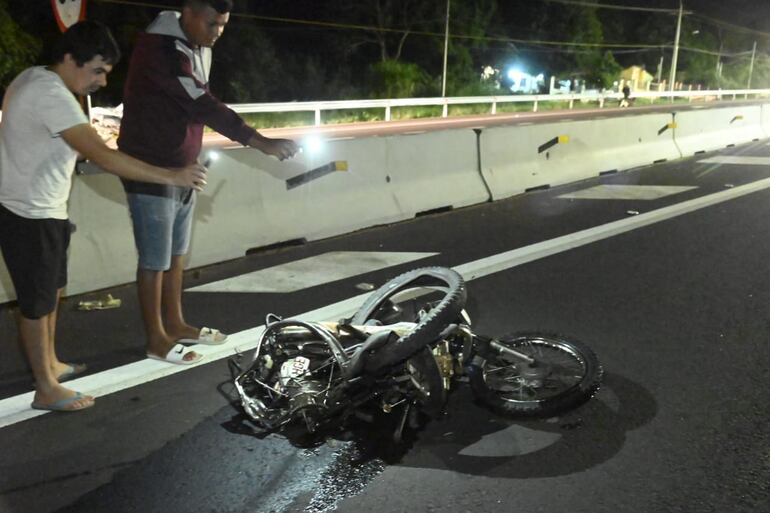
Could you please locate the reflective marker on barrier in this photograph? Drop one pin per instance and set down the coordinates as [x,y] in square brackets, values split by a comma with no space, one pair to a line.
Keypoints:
[308,176]
[562,139]
[667,126]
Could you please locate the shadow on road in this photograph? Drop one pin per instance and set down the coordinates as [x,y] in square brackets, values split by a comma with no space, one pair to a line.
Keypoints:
[471,440]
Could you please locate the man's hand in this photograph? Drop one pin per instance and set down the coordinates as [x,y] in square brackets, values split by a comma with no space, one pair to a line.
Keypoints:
[190,176]
[281,148]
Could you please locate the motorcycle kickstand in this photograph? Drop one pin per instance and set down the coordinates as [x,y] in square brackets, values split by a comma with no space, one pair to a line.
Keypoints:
[398,434]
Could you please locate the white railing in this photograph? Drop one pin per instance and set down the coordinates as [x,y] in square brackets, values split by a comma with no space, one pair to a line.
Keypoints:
[493,101]
[536,100]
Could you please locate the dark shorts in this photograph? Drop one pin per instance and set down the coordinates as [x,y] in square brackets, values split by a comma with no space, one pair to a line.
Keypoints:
[35,253]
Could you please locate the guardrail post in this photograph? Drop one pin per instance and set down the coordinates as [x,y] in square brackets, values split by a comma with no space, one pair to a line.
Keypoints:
[735,95]
[571,102]
[318,117]
[387,113]
[601,102]
[534,107]
[494,107]
[445,111]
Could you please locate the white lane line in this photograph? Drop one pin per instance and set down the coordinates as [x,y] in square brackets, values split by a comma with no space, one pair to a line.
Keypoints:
[626,192]
[736,159]
[16,409]
[311,271]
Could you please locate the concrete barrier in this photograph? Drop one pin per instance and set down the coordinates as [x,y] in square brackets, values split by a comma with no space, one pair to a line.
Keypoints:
[247,203]
[699,131]
[766,119]
[516,159]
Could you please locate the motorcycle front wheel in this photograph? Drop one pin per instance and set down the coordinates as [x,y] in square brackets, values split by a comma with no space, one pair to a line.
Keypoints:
[565,374]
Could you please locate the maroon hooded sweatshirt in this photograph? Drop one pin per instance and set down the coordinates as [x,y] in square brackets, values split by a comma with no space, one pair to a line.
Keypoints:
[167,102]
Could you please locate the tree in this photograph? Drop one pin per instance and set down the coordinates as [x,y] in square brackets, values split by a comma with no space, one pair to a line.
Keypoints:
[391,22]
[18,48]
[597,66]
[394,79]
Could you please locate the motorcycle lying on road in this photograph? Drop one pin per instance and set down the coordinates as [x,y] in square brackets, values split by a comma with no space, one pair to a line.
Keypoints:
[404,349]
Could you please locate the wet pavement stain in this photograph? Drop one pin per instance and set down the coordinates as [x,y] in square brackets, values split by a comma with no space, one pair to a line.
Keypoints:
[347,476]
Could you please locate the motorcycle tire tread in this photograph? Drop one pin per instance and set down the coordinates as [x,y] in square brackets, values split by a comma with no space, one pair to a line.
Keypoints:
[579,394]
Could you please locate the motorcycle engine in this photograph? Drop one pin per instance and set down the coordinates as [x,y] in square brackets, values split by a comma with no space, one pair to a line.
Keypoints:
[289,380]
[306,395]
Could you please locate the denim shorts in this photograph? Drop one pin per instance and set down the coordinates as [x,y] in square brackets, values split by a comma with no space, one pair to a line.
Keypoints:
[162,226]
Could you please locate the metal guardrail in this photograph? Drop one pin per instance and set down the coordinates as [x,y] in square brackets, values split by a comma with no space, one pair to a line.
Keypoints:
[492,101]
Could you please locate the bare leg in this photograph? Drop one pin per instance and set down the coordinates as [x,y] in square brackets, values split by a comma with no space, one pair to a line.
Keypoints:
[57,367]
[35,338]
[150,285]
[172,301]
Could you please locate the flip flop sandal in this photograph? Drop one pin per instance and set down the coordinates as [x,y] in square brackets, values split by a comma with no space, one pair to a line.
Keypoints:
[62,404]
[74,369]
[206,337]
[176,355]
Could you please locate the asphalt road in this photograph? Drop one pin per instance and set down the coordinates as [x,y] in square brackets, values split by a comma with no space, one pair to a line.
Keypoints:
[676,310]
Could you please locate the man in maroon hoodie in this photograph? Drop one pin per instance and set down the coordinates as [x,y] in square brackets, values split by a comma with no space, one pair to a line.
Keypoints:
[166,104]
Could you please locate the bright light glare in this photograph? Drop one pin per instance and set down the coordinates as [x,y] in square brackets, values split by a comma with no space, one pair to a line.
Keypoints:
[312,144]
[213,156]
[515,75]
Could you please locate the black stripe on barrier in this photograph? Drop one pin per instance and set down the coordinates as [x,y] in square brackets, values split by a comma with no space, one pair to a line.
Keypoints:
[538,188]
[550,144]
[610,172]
[308,176]
[439,210]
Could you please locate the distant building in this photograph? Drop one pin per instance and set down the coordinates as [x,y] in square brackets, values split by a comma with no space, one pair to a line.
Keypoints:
[637,78]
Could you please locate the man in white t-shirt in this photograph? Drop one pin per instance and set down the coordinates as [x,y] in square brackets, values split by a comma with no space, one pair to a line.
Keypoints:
[42,130]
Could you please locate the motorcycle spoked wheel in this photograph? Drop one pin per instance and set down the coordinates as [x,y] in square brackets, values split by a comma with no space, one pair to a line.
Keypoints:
[379,306]
[566,374]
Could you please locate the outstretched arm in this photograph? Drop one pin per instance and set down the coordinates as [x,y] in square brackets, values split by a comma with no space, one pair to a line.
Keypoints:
[84,139]
[281,148]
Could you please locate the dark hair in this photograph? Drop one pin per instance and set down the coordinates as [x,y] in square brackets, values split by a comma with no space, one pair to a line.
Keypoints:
[84,41]
[221,6]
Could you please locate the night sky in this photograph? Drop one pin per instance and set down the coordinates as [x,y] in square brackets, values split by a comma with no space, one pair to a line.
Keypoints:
[303,52]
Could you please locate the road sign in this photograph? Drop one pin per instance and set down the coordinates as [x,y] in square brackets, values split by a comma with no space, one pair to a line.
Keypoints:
[68,12]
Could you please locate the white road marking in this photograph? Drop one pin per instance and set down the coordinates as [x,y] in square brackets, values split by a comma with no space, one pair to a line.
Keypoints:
[736,159]
[312,271]
[16,409]
[626,192]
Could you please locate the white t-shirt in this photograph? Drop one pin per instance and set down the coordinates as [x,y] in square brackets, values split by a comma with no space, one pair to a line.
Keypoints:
[36,164]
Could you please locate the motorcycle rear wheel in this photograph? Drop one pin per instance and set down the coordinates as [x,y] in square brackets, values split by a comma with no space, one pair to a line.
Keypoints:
[565,375]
